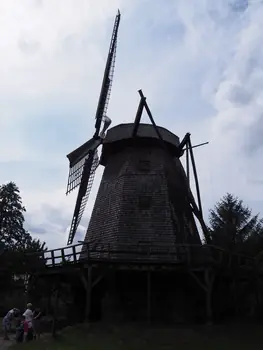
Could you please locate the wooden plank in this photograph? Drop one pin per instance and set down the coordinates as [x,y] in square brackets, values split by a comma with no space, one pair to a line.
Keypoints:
[149,297]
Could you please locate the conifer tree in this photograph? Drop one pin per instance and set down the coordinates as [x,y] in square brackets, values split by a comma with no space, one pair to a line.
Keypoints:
[13,235]
[232,225]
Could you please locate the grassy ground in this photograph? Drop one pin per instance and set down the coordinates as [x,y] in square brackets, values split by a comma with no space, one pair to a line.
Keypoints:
[130,338]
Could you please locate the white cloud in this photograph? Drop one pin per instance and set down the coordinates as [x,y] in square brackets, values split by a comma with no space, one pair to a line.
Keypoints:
[200,67]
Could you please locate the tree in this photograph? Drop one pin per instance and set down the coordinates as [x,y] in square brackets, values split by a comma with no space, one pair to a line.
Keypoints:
[15,241]
[233,227]
[12,233]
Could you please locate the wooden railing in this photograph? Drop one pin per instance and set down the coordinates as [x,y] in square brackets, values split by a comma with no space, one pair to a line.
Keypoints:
[143,254]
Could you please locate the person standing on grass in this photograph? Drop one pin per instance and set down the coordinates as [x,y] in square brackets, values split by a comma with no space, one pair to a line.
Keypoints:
[37,322]
[29,316]
[7,320]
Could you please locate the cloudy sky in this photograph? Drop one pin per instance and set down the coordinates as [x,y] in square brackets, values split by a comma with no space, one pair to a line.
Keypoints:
[199,62]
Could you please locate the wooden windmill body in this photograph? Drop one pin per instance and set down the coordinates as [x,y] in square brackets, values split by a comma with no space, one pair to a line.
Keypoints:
[142,199]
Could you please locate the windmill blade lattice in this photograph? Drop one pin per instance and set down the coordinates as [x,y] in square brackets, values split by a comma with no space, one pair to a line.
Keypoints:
[108,77]
[77,160]
[83,196]
[113,49]
[75,175]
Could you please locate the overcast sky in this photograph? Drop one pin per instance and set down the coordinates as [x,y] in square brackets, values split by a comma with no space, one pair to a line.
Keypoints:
[199,62]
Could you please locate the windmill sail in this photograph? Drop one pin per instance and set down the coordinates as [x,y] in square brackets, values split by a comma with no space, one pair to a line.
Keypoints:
[78,157]
[91,164]
[77,162]
[84,160]
[107,78]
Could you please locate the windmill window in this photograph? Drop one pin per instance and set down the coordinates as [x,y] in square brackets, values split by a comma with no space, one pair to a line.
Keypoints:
[144,165]
[145,202]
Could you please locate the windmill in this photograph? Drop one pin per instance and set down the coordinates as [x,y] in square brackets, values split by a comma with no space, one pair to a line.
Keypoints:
[84,160]
[144,195]
[144,199]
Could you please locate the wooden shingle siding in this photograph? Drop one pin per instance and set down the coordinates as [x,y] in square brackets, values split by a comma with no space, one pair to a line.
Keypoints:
[142,200]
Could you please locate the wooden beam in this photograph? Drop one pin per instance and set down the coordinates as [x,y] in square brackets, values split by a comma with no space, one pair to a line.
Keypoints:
[209,280]
[55,310]
[138,116]
[149,297]
[209,277]
[187,166]
[202,285]
[98,279]
[88,294]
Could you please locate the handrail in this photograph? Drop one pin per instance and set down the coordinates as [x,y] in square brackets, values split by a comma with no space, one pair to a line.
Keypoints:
[143,251]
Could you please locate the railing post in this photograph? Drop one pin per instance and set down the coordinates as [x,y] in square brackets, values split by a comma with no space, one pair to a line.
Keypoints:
[63,255]
[52,257]
[74,254]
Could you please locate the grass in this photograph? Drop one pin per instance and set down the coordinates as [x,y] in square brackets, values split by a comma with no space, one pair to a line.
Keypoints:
[130,338]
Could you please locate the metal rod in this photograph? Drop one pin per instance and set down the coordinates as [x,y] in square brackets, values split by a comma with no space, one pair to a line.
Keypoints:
[200,144]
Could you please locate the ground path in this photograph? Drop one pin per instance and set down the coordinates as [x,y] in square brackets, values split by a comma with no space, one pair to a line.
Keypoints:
[5,344]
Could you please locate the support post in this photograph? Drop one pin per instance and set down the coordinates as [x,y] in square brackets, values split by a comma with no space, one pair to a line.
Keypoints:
[209,280]
[149,297]
[88,287]
[207,286]
[55,310]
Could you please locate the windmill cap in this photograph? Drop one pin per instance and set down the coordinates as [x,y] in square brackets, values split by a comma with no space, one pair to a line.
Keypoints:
[120,136]
[124,131]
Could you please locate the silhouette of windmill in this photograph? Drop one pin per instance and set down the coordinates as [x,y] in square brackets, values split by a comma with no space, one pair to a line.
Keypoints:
[84,160]
[144,195]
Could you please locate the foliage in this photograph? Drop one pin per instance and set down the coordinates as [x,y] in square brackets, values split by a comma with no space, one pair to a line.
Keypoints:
[13,235]
[15,241]
[234,228]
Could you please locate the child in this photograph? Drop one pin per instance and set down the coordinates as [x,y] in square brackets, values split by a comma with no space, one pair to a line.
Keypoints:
[20,330]
[28,331]
[23,331]
[28,314]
